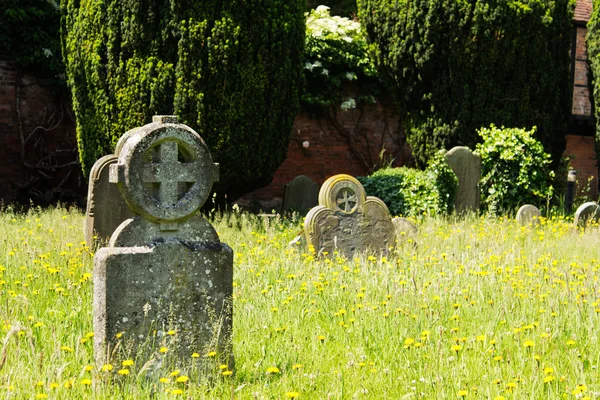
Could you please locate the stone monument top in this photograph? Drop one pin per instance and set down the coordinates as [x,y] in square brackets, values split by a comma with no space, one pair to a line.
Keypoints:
[164,171]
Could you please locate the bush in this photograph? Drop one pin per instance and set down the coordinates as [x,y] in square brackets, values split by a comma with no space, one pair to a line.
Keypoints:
[458,65]
[231,70]
[515,169]
[412,192]
[344,8]
[336,52]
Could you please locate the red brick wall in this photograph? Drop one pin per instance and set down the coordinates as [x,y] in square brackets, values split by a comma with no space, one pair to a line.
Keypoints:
[583,159]
[29,113]
[350,145]
[581,90]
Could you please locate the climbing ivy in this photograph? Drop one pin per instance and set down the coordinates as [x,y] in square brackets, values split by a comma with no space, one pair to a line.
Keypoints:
[593,50]
[458,65]
[230,70]
[29,38]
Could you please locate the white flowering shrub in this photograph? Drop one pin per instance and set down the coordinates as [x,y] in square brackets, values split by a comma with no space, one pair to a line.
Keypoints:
[336,52]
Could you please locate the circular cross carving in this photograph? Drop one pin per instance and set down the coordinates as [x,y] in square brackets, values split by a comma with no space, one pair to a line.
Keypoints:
[342,193]
[165,171]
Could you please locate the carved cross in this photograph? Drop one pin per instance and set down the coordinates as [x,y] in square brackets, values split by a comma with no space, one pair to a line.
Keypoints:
[168,172]
[347,199]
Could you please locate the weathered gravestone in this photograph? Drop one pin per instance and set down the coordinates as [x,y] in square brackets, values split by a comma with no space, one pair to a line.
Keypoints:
[405,230]
[106,208]
[587,213]
[165,270]
[301,194]
[467,167]
[528,214]
[347,220]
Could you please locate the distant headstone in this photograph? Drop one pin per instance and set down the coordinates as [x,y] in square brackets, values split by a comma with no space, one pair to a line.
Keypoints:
[301,194]
[528,214]
[467,167]
[106,208]
[348,221]
[587,213]
[405,230]
[165,279]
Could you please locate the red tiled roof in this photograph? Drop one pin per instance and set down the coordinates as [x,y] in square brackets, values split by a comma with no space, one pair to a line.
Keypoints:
[583,11]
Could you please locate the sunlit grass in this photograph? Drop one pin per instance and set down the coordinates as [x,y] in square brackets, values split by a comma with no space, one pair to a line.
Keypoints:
[478,308]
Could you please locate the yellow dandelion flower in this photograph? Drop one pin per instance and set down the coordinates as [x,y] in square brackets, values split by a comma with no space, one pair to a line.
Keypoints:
[41,396]
[528,343]
[462,393]
[273,370]
[86,382]
[292,395]
[211,354]
[296,366]
[107,367]
[227,373]
[175,373]
[321,338]
[182,379]
[127,363]
[163,349]
[88,368]
[177,392]
[548,379]
[164,380]
[123,371]
[195,355]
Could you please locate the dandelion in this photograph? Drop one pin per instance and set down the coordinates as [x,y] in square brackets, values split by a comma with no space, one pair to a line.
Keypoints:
[292,395]
[321,338]
[175,373]
[127,363]
[41,396]
[182,379]
[164,380]
[456,347]
[211,354]
[227,373]
[195,355]
[163,350]
[272,370]
[85,382]
[528,343]
[177,392]
[107,367]
[296,366]
[123,371]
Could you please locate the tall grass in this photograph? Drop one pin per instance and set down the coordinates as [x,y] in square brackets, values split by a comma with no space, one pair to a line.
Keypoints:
[476,308]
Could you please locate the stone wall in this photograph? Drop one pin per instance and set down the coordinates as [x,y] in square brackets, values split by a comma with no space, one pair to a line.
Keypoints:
[38,155]
[343,142]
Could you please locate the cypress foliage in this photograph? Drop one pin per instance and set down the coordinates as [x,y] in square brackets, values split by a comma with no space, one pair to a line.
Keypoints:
[459,65]
[593,50]
[229,69]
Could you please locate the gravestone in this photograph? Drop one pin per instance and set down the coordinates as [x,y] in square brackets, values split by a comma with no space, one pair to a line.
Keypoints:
[528,214]
[587,213]
[405,230]
[467,167]
[165,280]
[347,220]
[301,194]
[106,209]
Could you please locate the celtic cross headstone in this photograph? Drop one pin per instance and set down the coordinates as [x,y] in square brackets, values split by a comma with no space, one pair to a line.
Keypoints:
[348,221]
[165,280]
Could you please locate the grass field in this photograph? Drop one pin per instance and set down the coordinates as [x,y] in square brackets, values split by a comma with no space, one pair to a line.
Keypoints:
[480,309]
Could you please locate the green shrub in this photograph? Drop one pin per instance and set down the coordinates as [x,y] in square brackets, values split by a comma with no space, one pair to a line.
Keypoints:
[231,70]
[344,8]
[458,65]
[515,169]
[412,192]
[336,52]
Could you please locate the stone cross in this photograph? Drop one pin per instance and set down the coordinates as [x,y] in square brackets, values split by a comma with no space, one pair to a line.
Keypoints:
[528,214]
[165,280]
[348,221]
[467,167]
[106,209]
[301,194]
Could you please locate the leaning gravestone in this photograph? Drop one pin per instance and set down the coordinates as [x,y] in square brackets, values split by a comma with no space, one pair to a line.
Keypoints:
[467,167]
[106,209]
[347,220]
[528,214]
[165,280]
[587,213]
[301,194]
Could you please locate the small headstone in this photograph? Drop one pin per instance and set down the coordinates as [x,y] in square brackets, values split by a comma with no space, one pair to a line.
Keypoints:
[165,280]
[106,209]
[528,214]
[348,221]
[301,194]
[467,167]
[587,213]
[405,230]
